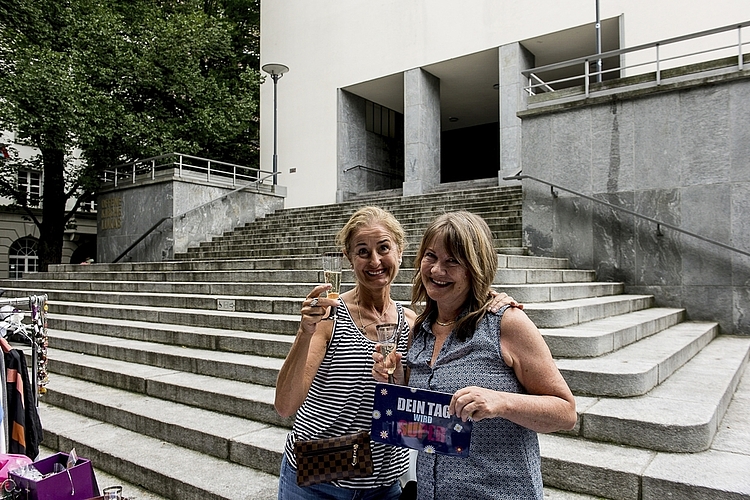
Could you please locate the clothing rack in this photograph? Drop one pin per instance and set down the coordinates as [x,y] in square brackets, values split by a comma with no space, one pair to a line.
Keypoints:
[37,304]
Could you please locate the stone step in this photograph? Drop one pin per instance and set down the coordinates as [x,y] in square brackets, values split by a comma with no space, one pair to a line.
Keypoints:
[512,248]
[412,222]
[459,200]
[306,263]
[205,338]
[273,283]
[311,240]
[503,276]
[507,226]
[630,473]
[275,320]
[249,368]
[234,320]
[608,334]
[624,473]
[574,312]
[496,219]
[308,245]
[159,466]
[235,439]
[637,368]
[681,414]
[231,397]
[279,298]
[631,427]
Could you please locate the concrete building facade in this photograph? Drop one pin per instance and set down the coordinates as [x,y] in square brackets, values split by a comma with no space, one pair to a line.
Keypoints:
[416,97]
[19,234]
[385,53]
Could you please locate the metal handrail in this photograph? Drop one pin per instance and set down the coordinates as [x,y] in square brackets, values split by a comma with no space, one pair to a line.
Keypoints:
[532,74]
[386,173]
[519,177]
[183,162]
[183,214]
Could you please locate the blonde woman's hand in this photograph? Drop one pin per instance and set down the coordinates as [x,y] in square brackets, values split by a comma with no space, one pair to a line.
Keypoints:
[315,308]
[500,299]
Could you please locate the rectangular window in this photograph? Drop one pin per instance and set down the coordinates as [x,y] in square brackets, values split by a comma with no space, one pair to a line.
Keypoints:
[380,120]
[30,182]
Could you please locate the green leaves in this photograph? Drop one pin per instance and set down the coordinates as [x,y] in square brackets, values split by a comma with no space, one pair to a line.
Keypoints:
[127,79]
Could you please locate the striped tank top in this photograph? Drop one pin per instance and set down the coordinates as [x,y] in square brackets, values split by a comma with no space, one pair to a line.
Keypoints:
[341,397]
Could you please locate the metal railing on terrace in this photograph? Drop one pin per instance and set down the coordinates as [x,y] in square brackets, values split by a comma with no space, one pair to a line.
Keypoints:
[187,167]
[650,58]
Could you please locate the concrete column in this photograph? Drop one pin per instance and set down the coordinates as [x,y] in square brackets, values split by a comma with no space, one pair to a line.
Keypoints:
[421,132]
[513,59]
[351,146]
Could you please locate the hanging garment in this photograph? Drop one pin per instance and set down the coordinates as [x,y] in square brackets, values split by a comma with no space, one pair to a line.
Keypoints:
[24,426]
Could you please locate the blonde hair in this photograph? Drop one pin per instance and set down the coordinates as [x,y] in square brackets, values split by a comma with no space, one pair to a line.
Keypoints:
[370,216]
[468,239]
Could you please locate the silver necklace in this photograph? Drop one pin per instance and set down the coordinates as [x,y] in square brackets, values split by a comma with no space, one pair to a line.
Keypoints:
[359,313]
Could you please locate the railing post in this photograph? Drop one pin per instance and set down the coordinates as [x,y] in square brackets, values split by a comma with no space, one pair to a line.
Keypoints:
[739,47]
[133,173]
[586,76]
[234,176]
[153,169]
[658,66]
[208,172]
[179,170]
[115,176]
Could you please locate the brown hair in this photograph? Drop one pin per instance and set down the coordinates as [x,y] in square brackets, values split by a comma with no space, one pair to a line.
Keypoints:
[468,239]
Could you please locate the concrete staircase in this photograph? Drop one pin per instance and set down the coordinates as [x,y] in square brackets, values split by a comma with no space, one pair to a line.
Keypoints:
[163,373]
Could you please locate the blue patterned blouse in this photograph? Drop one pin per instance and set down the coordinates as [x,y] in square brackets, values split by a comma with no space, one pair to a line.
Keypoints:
[504,460]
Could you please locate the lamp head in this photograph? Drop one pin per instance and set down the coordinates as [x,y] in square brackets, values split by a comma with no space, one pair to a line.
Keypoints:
[276,70]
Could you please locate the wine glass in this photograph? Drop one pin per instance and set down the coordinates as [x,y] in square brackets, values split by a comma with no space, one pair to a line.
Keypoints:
[332,275]
[388,341]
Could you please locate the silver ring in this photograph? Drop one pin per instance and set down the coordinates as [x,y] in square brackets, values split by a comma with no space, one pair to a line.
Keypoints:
[314,302]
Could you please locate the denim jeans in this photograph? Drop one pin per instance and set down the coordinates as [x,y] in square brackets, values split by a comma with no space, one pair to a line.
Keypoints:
[288,489]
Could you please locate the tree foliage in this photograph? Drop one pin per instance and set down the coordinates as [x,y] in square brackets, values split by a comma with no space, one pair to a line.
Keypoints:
[122,80]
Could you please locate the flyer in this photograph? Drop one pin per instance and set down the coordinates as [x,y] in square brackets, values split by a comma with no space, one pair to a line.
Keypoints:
[418,419]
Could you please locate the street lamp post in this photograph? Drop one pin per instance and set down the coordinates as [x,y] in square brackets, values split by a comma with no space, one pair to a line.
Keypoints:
[276,70]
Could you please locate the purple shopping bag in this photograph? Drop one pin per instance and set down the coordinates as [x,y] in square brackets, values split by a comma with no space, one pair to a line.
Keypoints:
[76,483]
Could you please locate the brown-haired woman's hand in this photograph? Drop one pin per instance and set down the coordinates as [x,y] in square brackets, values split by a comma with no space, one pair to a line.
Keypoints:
[380,371]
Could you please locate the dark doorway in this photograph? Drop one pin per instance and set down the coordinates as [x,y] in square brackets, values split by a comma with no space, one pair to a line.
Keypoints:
[470,153]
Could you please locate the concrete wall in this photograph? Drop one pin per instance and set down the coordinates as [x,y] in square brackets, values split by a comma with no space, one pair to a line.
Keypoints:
[127,212]
[681,157]
[332,44]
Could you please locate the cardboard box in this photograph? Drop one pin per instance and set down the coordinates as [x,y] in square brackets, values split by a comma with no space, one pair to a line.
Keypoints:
[76,483]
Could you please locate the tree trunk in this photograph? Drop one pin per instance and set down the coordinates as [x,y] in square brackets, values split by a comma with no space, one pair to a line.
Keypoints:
[52,228]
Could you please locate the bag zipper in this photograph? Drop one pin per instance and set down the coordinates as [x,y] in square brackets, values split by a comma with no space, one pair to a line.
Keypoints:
[354,447]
